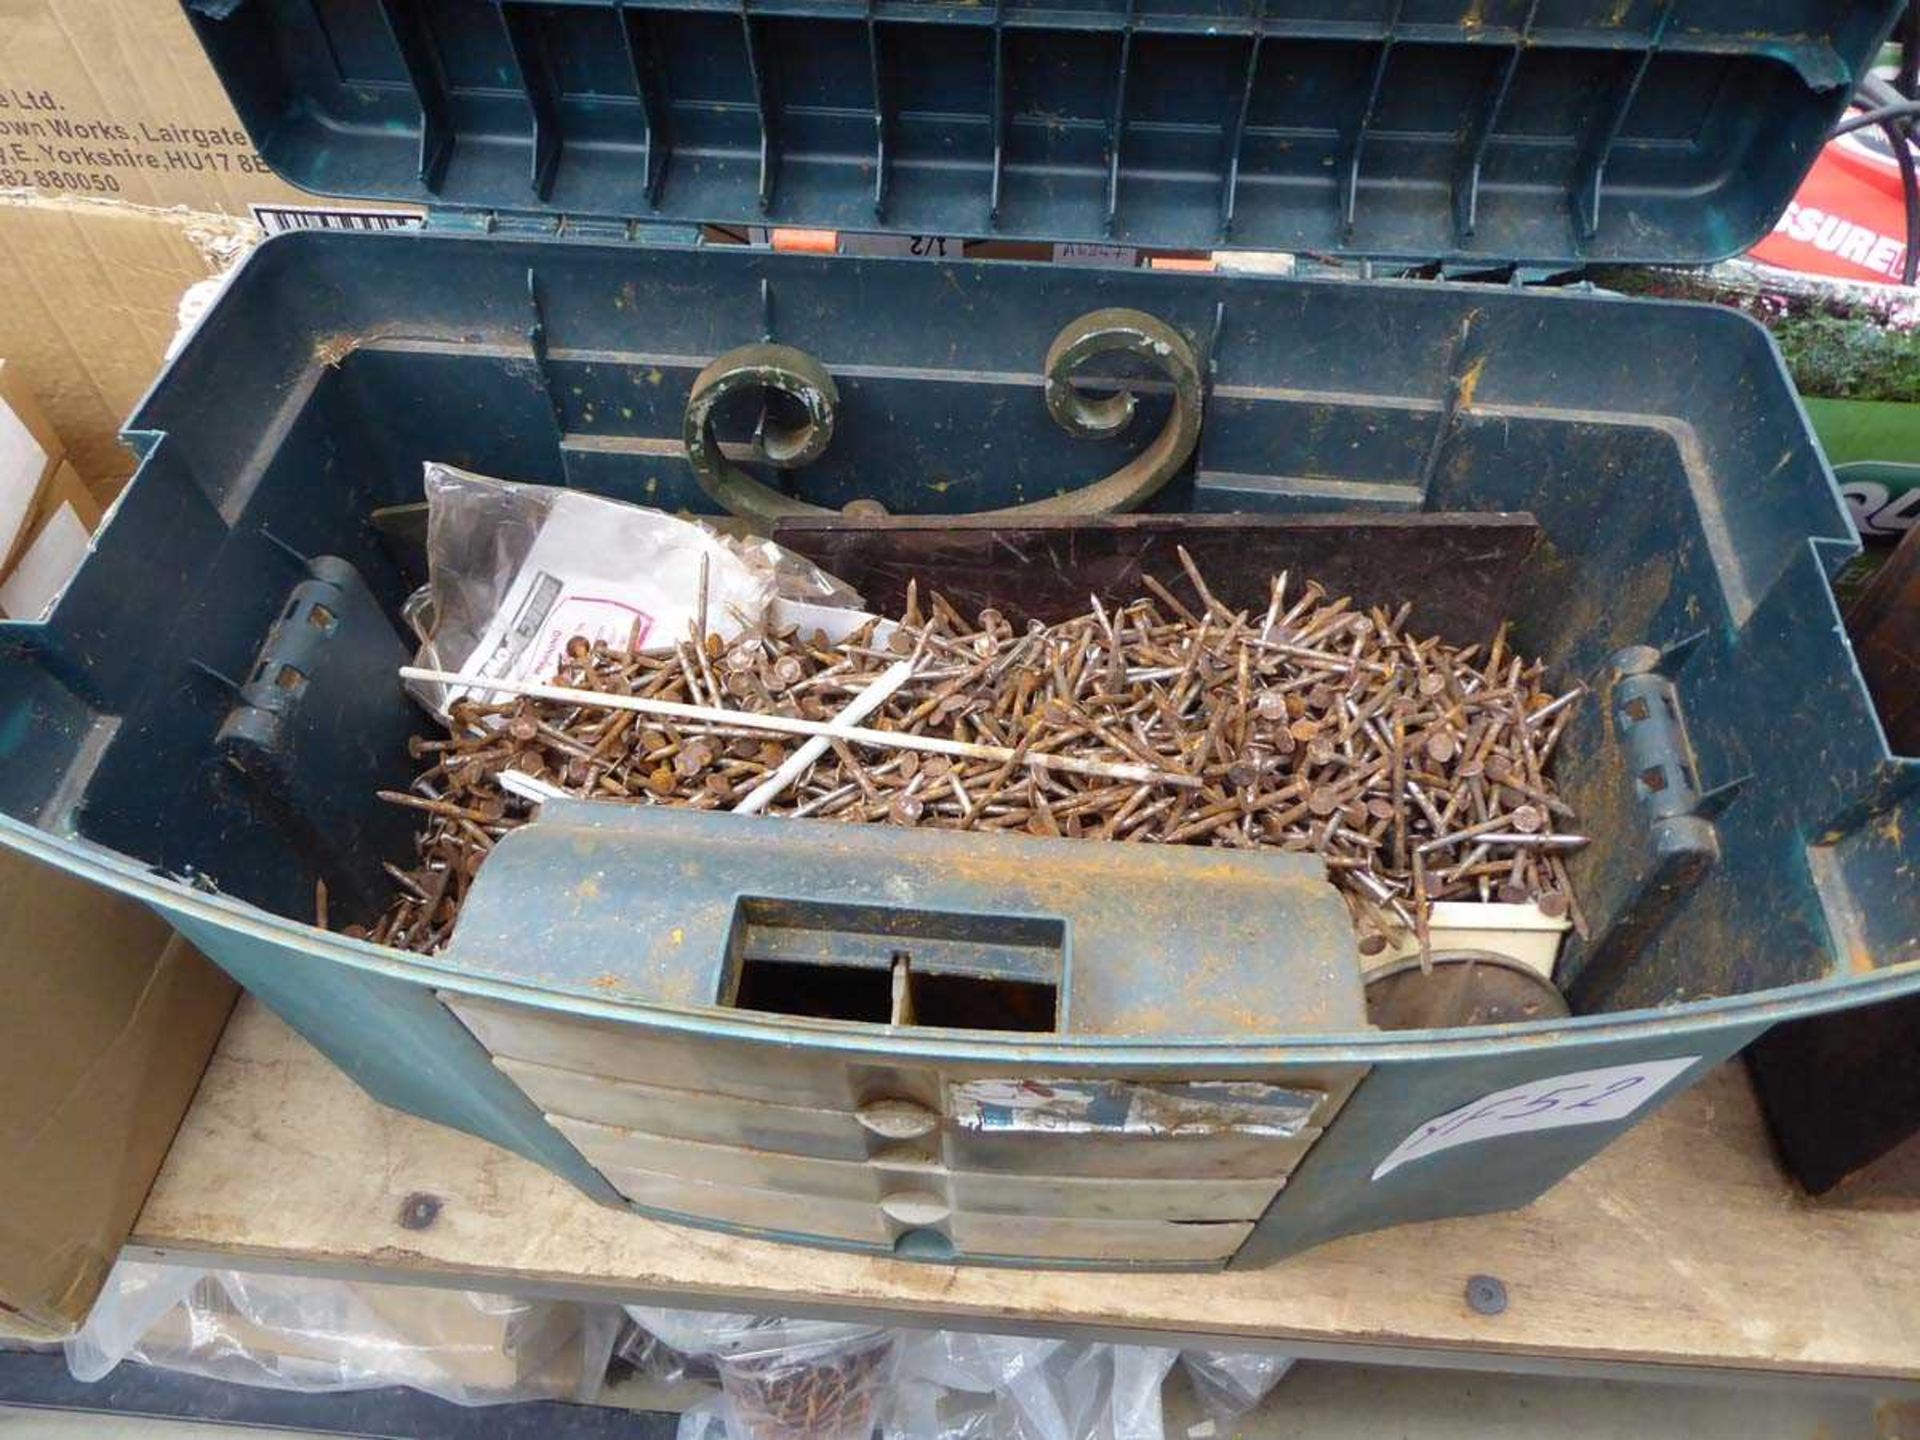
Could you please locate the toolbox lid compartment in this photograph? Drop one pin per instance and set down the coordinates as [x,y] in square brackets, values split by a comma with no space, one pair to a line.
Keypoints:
[1503,130]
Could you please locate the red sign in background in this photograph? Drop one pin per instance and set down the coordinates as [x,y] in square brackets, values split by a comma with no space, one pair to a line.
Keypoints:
[1848,220]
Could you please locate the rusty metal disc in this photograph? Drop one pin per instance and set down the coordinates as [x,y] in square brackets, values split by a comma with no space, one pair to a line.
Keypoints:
[1465,988]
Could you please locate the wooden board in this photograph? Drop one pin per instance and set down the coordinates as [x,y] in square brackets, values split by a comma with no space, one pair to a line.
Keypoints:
[1459,569]
[1681,1246]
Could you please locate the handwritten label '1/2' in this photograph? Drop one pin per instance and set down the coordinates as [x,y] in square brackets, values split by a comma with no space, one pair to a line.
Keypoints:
[1581,1097]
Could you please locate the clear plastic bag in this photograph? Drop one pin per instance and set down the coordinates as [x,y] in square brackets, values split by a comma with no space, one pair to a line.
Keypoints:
[831,1388]
[956,1386]
[650,1356]
[516,571]
[1229,1383]
[979,1364]
[1098,1392]
[782,1379]
[290,1333]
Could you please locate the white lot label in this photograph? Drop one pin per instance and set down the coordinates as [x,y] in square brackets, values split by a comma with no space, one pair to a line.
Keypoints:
[1582,1097]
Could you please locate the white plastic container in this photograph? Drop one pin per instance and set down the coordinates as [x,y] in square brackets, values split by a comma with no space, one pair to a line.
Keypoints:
[1521,932]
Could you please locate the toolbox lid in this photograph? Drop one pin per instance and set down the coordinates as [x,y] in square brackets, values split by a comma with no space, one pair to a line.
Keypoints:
[1539,131]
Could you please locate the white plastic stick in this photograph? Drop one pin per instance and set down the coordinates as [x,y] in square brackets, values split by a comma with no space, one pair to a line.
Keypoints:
[517,782]
[851,714]
[791,725]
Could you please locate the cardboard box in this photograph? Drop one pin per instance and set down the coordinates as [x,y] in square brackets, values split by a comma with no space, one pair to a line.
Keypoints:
[329,1334]
[114,100]
[93,294]
[31,452]
[108,1024]
[62,528]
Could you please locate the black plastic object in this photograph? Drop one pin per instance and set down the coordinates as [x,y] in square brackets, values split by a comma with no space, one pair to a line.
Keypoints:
[1842,1097]
[1542,130]
[316,726]
[1651,872]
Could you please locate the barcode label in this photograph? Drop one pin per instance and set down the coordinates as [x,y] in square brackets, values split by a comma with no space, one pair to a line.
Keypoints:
[279,219]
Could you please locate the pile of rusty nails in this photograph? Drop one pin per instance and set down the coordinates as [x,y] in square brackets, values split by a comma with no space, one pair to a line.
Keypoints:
[828,1394]
[1418,770]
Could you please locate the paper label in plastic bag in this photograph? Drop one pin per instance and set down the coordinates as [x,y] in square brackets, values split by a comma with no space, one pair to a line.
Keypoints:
[516,572]
[618,575]
[529,638]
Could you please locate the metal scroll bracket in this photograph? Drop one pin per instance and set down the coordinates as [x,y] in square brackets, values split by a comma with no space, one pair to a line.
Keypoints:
[1097,334]
[761,367]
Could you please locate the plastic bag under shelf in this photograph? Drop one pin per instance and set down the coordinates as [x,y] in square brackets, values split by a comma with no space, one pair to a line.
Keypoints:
[946,1385]
[1229,1383]
[290,1333]
[958,1386]
[783,1379]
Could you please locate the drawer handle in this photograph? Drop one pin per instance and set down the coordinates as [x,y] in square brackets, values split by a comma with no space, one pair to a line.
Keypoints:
[915,1209]
[897,1119]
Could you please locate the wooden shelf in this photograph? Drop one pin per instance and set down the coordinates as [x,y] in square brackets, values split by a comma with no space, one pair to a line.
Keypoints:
[1682,1247]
